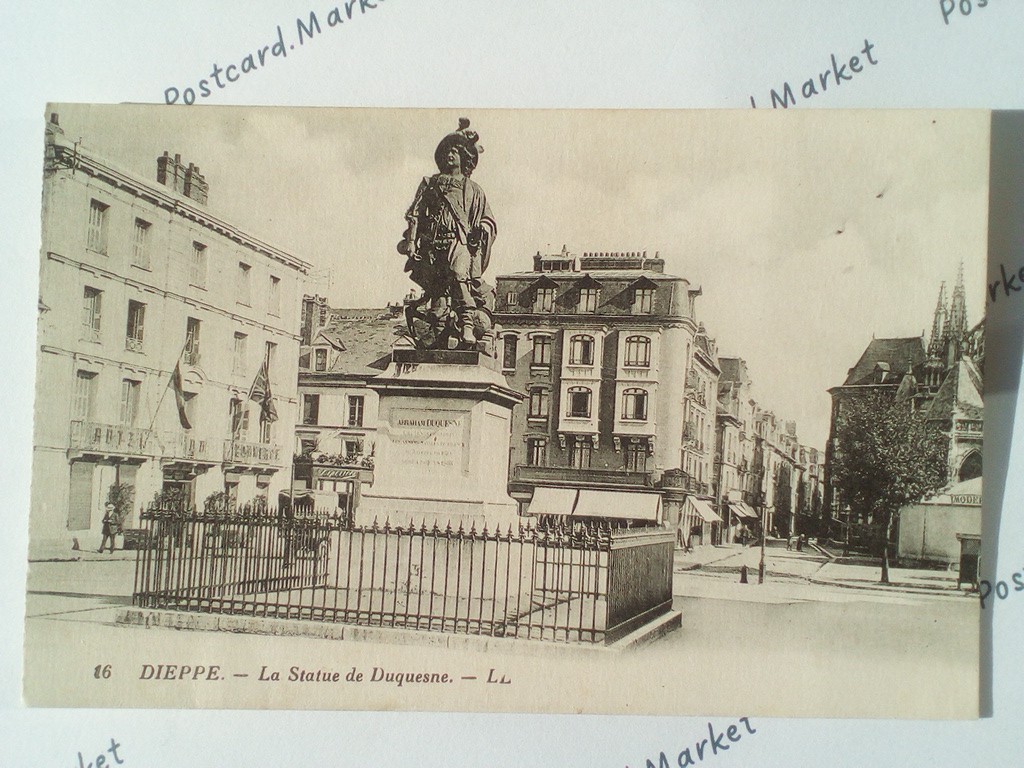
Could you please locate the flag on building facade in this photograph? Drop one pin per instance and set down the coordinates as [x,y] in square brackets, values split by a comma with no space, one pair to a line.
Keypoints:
[260,392]
[179,396]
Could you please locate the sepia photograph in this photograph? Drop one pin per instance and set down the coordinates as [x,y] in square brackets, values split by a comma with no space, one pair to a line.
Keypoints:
[609,411]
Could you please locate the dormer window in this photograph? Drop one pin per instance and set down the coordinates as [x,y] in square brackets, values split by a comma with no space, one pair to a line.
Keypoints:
[320,360]
[643,301]
[581,350]
[544,301]
[588,300]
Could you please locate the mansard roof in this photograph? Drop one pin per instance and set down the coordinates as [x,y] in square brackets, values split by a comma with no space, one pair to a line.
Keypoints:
[731,368]
[362,337]
[886,361]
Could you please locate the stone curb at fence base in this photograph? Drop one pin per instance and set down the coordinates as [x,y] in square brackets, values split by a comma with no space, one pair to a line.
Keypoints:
[151,617]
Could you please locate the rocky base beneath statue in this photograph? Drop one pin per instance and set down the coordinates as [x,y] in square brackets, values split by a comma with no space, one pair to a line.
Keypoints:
[442,445]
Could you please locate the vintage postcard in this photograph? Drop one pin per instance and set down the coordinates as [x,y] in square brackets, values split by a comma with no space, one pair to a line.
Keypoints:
[491,410]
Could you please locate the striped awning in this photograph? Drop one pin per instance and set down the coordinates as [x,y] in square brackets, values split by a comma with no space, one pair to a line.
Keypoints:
[552,501]
[741,509]
[703,508]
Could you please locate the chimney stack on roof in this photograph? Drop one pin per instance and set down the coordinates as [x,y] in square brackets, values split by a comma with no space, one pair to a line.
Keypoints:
[187,181]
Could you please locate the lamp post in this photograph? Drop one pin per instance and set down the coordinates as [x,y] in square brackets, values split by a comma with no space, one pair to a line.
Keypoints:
[846,544]
[764,534]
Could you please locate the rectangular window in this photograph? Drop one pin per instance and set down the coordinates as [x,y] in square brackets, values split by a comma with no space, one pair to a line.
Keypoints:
[266,430]
[311,409]
[97,235]
[352,448]
[238,365]
[643,301]
[92,309]
[243,288]
[535,451]
[545,300]
[130,391]
[84,396]
[140,244]
[355,410]
[637,352]
[635,455]
[320,363]
[510,298]
[588,299]
[539,403]
[581,350]
[274,297]
[579,403]
[580,452]
[136,322]
[192,341]
[198,266]
[541,350]
[634,405]
[270,355]
[509,353]
[239,416]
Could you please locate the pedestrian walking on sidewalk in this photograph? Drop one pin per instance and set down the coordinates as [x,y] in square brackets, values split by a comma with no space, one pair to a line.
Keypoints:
[111,525]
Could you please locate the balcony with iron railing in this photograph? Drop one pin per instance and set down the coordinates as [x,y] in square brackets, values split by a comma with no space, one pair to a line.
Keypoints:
[190,447]
[252,454]
[97,437]
[532,475]
[683,481]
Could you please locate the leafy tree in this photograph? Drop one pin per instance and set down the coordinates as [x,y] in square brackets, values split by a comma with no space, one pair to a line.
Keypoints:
[121,496]
[886,456]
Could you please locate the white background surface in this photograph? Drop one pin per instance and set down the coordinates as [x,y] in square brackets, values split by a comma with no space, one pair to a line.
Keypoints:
[474,53]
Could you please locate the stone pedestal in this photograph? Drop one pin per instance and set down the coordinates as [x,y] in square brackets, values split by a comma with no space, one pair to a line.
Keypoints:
[442,445]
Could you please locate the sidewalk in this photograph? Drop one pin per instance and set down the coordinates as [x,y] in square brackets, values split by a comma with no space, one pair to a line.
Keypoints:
[912,580]
[704,554]
[61,553]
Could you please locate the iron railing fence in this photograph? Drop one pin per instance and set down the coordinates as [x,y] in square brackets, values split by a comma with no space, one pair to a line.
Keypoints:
[566,582]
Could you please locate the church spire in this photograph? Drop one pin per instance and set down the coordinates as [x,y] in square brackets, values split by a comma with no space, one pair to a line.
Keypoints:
[935,343]
[957,329]
[956,322]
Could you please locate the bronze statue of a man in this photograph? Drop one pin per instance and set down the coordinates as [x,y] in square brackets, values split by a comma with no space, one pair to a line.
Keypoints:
[448,245]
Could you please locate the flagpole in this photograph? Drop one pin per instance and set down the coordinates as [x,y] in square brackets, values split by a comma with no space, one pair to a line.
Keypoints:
[170,380]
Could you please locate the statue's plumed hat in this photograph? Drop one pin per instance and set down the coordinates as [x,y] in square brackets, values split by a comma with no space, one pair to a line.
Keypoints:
[466,141]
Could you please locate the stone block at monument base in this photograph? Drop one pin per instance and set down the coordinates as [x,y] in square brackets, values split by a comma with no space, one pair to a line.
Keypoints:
[442,445]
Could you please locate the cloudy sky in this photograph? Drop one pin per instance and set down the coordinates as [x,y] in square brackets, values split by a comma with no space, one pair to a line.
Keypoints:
[808,231]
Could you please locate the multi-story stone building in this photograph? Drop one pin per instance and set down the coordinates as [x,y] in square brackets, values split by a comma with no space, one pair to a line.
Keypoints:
[156,318]
[341,349]
[739,488]
[760,480]
[600,344]
[700,435]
